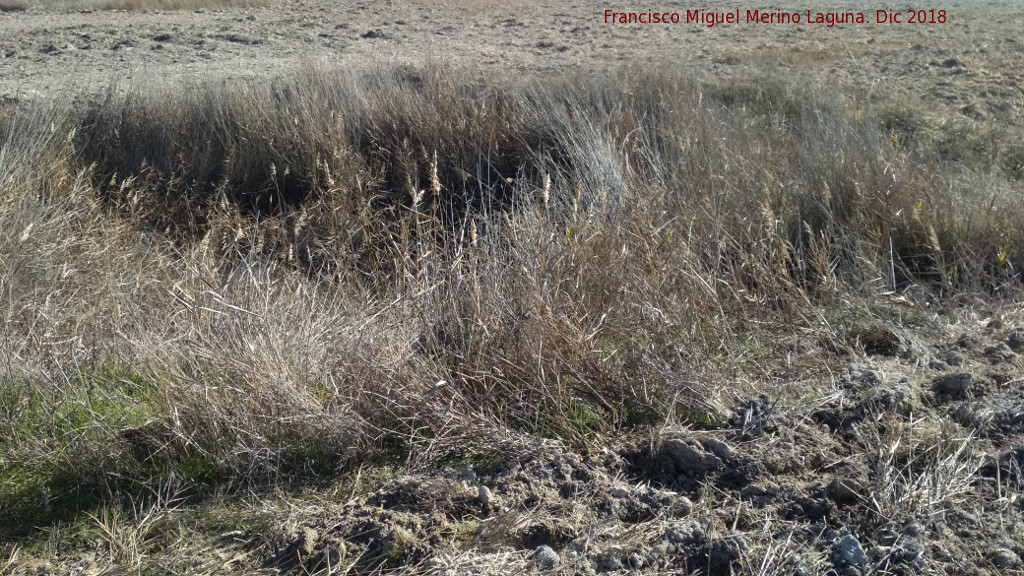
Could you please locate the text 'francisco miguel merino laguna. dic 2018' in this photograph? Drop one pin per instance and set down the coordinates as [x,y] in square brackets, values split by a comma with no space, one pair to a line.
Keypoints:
[830,19]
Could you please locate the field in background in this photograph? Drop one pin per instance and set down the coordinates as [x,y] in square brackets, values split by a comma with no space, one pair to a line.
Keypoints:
[22,5]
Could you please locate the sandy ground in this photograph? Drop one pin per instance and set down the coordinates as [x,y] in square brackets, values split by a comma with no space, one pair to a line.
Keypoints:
[969,65]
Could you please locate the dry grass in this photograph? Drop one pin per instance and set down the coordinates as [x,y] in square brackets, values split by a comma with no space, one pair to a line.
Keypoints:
[218,286]
[933,471]
[13,5]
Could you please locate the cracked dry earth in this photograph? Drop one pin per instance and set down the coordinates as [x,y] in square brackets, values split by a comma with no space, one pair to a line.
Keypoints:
[910,462]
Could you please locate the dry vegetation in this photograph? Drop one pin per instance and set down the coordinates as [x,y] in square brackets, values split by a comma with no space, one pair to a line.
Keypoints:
[218,297]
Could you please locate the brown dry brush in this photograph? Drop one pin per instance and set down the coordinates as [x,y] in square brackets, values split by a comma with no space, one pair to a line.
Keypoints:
[273,280]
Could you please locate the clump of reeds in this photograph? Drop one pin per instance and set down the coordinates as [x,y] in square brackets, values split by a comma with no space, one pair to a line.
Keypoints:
[225,284]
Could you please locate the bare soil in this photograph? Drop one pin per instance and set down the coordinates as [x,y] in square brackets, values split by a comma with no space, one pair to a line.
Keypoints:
[970,65]
[911,463]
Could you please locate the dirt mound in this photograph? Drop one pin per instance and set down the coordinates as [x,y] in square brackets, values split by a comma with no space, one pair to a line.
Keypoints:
[878,477]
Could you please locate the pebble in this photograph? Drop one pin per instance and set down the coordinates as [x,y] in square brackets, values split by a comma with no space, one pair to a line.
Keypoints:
[953,358]
[954,384]
[1016,340]
[619,491]
[1003,558]
[849,551]
[845,491]
[719,448]
[546,557]
[484,497]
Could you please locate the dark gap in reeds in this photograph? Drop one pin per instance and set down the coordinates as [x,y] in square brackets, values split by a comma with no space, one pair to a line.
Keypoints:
[830,169]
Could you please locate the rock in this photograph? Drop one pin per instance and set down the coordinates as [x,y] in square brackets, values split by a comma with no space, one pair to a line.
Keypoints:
[724,556]
[608,562]
[1003,558]
[690,459]
[845,491]
[758,496]
[636,561]
[849,552]
[683,534]
[1016,340]
[953,358]
[484,497]
[973,415]
[900,397]
[468,474]
[753,417]
[644,503]
[1000,353]
[546,557]
[718,448]
[682,506]
[954,385]
[914,530]
[618,491]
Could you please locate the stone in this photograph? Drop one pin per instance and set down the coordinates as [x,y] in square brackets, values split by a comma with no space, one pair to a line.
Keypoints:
[682,506]
[1000,353]
[973,415]
[954,385]
[719,448]
[618,491]
[1003,558]
[546,557]
[953,358]
[849,552]
[680,459]
[725,556]
[845,491]
[1016,340]
[484,496]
